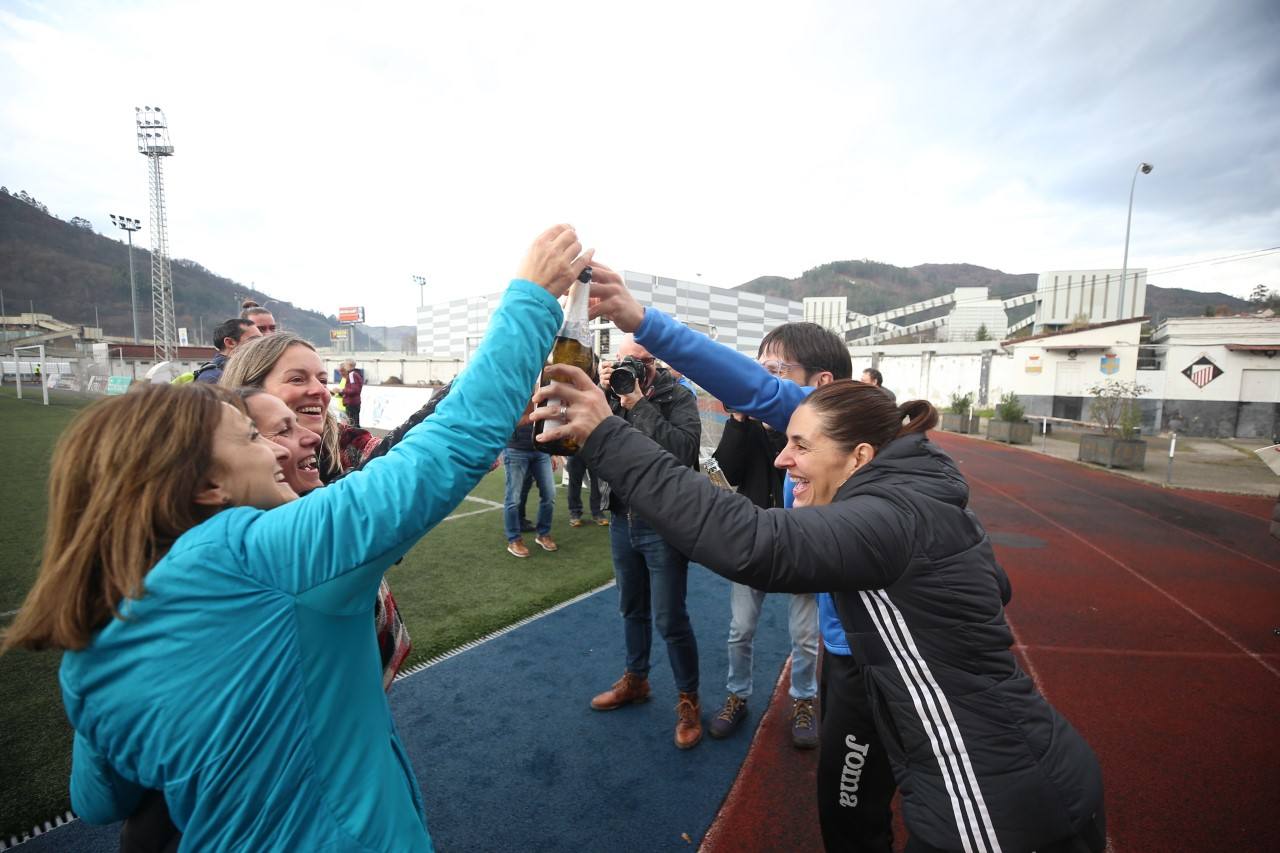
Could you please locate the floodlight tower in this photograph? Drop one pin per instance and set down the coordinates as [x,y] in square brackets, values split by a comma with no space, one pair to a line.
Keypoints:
[153,143]
[129,225]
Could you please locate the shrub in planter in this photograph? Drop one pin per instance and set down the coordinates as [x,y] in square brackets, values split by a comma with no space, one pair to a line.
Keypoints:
[957,417]
[1008,424]
[1115,409]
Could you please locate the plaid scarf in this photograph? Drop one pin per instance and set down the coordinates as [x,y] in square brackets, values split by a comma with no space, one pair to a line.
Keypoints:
[393,638]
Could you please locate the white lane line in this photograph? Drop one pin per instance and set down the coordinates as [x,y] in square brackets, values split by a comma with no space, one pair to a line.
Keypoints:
[1026,656]
[1141,653]
[1199,536]
[1173,598]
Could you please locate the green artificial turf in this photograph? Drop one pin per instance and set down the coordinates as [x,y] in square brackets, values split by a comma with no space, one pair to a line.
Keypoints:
[457,585]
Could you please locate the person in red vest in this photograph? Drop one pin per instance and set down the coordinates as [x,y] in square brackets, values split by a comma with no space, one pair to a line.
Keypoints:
[351,390]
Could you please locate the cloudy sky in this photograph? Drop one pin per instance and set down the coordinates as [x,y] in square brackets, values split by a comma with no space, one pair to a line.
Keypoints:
[327,155]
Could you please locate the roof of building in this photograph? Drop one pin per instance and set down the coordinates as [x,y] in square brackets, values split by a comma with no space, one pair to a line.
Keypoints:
[1076,330]
[1254,347]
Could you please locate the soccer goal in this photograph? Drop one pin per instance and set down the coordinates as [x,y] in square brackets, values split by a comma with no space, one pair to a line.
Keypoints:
[39,369]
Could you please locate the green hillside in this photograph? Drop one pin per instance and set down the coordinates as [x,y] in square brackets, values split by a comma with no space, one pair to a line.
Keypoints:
[65,269]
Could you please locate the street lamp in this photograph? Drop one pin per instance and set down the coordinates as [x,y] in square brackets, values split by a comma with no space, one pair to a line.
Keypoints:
[1144,168]
[129,226]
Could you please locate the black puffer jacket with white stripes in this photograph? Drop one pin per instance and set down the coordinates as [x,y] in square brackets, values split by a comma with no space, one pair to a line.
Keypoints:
[983,762]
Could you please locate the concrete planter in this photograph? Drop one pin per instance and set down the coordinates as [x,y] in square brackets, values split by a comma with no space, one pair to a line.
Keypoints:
[1010,433]
[1113,452]
[960,423]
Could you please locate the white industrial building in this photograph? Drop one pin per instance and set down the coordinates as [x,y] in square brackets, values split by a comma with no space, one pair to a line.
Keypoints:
[975,313]
[1071,297]
[935,371]
[830,312]
[451,330]
[1218,376]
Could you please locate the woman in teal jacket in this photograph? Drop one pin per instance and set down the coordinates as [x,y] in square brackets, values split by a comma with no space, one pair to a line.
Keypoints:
[219,643]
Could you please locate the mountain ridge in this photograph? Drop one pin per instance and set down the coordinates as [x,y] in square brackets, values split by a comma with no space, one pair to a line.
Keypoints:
[873,286]
[67,270]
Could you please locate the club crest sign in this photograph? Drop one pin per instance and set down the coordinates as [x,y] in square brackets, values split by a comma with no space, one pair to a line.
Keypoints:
[1110,364]
[1202,371]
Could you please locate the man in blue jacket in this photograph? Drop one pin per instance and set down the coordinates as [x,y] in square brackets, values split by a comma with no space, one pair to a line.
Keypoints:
[810,356]
[855,780]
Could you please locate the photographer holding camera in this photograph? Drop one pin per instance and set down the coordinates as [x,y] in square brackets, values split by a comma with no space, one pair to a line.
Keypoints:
[652,575]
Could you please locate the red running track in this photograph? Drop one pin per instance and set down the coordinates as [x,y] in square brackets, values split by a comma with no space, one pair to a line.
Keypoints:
[1148,617]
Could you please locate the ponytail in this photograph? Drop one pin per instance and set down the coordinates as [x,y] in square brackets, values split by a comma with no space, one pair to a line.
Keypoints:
[856,413]
[920,415]
[250,309]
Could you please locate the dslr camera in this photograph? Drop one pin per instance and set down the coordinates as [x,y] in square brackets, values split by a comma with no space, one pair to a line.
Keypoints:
[627,372]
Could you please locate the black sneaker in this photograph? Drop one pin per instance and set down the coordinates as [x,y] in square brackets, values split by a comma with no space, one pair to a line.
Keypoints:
[804,727]
[526,526]
[730,716]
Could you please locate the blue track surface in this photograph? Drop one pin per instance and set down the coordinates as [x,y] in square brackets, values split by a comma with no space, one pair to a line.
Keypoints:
[511,757]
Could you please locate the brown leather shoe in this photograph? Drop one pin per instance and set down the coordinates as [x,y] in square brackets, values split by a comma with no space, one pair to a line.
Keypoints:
[517,548]
[626,690]
[688,721]
[547,543]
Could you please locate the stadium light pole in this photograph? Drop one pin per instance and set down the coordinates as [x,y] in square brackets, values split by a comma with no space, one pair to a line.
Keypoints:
[129,226]
[421,281]
[1144,169]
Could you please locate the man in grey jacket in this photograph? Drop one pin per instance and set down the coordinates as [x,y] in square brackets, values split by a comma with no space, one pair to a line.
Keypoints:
[651,575]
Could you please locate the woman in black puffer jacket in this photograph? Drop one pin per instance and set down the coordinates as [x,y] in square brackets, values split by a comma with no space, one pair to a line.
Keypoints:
[982,760]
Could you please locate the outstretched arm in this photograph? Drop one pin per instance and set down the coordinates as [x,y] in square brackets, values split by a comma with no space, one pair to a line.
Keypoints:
[373,516]
[857,543]
[736,380]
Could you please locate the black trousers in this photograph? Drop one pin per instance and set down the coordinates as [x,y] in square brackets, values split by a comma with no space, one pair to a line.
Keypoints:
[855,780]
[353,414]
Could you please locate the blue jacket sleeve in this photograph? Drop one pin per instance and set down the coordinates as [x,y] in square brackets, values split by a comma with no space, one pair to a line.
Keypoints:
[731,377]
[373,515]
[98,793]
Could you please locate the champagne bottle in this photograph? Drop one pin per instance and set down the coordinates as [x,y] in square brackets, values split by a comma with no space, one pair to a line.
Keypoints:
[572,346]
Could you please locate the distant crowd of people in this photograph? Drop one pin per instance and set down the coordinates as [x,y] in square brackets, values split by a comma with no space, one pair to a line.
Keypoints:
[215,556]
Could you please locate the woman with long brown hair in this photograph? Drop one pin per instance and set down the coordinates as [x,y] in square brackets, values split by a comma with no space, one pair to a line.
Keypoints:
[881,521]
[218,644]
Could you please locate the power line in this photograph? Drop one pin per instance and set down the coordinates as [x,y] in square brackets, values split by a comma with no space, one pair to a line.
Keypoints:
[1225,259]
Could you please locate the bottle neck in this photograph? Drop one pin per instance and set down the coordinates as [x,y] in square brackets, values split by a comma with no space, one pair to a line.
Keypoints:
[575,324]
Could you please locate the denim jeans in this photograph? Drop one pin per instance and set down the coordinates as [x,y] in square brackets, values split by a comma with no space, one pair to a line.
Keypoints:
[577,469]
[652,579]
[745,603]
[516,463]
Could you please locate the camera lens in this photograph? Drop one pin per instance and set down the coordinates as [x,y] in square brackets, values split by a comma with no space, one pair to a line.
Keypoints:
[622,380]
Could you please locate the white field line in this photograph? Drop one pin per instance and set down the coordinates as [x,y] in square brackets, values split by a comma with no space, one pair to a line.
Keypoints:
[47,826]
[480,641]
